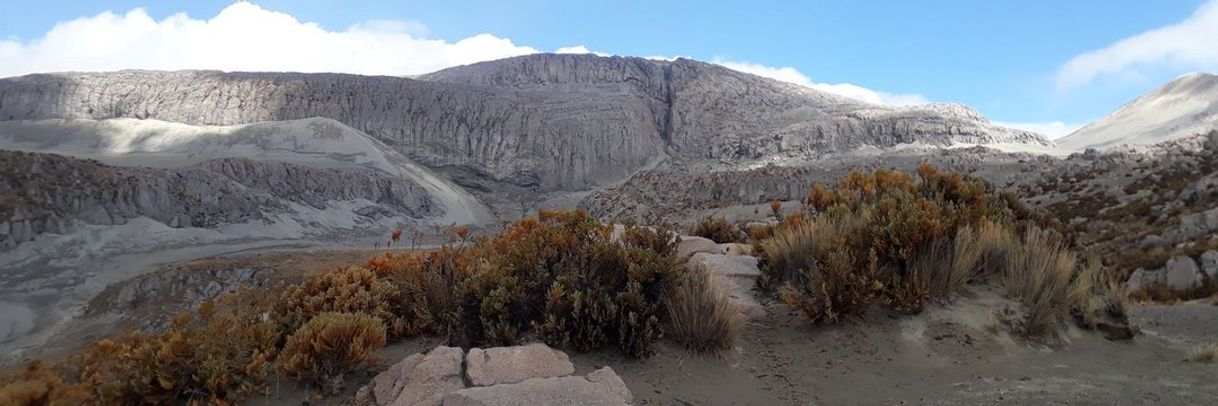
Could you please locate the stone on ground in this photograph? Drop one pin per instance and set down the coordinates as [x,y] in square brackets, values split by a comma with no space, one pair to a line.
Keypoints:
[1142,278]
[1209,264]
[1183,274]
[691,245]
[726,265]
[737,275]
[601,387]
[420,379]
[514,364]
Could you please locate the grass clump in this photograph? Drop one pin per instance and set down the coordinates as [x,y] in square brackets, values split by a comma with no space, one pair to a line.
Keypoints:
[1205,353]
[704,319]
[331,345]
[717,229]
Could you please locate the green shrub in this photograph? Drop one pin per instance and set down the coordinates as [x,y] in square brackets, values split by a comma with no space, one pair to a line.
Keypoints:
[331,345]
[718,230]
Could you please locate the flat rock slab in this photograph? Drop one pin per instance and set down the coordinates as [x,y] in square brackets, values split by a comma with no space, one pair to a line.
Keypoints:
[691,245]
[420,379]
[733,266]
[736,249]
[601,387]
[737,276]
[501,365]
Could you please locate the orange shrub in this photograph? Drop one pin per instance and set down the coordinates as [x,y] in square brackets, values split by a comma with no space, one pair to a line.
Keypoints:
[331,345]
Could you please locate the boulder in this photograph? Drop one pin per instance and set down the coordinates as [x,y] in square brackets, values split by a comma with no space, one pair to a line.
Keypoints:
[1142,278]
[691,245]
[726,265]
[736,275]
[1199,223]
[420,379]
[1183,274]
[1209,264]
[736,249]
[492,366]
[601,387]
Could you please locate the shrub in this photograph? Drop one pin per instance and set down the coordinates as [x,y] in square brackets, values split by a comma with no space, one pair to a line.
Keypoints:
[329,346]
[355,290]
[703,317]
[219,356]
[718,230]
[560,274]
[886,237]
[39,385]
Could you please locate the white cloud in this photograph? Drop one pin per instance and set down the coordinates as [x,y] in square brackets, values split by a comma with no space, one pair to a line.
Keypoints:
[1052,130]
[579,49]
[792,75]
[1191,44]
[243,36]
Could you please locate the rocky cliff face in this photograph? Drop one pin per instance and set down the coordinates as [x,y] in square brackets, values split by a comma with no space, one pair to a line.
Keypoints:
[555,122]
[49,193]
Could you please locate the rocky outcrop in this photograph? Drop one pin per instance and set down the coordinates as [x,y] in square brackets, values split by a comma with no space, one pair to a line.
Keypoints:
[547,121]
[528,375]
[494,366]
[50,193]
[690,245]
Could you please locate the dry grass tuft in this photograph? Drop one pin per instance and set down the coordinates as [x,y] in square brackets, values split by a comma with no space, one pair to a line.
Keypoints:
[1206,353]
[704,319]
[1039,273]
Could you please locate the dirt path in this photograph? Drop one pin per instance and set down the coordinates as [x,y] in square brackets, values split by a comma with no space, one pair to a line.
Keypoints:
[945,356]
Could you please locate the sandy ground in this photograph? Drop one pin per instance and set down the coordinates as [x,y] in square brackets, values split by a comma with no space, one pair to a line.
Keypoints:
[945,356]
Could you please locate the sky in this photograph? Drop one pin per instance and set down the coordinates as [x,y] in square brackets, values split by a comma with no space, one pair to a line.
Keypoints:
[1047,66]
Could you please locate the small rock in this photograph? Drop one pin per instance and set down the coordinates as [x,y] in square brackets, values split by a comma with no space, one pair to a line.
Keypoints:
[1142,278]
[1183,274]
[420,379]
[500,365]
[691,245]
[601,387]
[1209,264]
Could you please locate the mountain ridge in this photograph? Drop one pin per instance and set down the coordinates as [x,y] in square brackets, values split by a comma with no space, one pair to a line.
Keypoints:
[592,121]
[1187,105]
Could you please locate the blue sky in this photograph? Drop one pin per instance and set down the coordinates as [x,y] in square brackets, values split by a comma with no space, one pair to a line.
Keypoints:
[1030,62]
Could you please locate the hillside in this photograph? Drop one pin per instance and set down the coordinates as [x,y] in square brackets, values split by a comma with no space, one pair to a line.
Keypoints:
[1185,106]
[554,122]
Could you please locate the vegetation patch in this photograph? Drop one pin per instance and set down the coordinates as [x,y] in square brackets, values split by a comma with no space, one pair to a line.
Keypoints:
[888,238]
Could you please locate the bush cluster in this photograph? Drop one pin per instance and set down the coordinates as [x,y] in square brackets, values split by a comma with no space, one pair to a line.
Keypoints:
[717,229]
[221,355]
[562,277]
[889,238]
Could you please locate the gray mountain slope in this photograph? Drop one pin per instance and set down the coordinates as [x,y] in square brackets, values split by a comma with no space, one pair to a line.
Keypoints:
[1185,106]
[551,122]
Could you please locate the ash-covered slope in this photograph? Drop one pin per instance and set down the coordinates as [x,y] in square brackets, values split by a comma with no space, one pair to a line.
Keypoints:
[1183,107]
[709,111]
[554,122]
